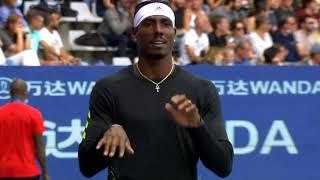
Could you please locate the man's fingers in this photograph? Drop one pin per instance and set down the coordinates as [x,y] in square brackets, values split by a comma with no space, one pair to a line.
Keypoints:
[100,143]
[129,148]
[122,147]
[107,146]
[191,108]
[170,108]
[114,145]
[184,105]
[177,99]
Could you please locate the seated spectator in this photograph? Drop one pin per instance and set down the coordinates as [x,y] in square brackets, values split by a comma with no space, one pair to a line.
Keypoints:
[228,57]
[231,9]
[285,37]
[53,50]
[196,43]
[315,36]
[244,54]
[304,35]
[238,30]
[178,7]
[309,8]
[116,26]
[35,21]
[2,57]
[220,56]
[191,13]
[314,58]
[16,43]
[275,55]
[261,38]
[213,4]
[219,36]
[9,8]
[214,56]
[286,9]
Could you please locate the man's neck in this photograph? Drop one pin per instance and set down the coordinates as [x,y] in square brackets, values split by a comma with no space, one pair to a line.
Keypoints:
[49,29]
[198,31]
[155,69]
[219,33]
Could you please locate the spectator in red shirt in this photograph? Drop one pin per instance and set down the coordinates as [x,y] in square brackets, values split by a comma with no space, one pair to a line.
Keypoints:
[21,128]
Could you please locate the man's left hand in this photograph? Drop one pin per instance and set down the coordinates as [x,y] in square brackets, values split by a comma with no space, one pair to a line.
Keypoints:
[186,113]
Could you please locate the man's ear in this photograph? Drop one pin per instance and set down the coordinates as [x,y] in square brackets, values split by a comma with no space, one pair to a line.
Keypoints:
[134,34]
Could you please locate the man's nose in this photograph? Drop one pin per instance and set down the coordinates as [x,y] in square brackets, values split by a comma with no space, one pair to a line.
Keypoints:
[158,28]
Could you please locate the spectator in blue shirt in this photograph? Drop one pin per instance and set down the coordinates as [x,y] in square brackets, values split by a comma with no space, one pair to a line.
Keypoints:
[35,21]
[8,8]
[285,37]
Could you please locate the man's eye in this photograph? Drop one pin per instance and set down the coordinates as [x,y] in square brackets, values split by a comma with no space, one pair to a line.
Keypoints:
[147,23]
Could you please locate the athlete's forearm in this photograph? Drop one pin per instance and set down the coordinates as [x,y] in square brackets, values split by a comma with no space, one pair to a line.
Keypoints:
[216,154]
[41,153]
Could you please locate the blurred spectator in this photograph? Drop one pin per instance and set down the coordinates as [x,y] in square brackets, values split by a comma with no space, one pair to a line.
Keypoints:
[231,9]
[315,36]
[228,57]
[285,37]
[238,30]
[303,36]
[116,25]
[178,7]
[2,57]
[220,56]
[8,8]
[196,43]
[213,4]
[219,36]
[261,38]
[286,9]
[191,13]
[35,21]
[309,8]
[53,50]
[314,56]
[275,55]
[101,7]
[215,55]
[244,54]
[16,43]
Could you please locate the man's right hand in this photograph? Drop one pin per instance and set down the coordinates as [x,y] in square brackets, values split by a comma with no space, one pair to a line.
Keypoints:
[114,138]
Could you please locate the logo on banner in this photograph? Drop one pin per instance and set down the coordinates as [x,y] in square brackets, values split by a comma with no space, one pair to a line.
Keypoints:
[4,87]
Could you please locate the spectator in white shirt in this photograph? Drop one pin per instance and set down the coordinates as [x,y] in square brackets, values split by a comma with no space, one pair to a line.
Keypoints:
[261,38]
[51,42]
[196,43]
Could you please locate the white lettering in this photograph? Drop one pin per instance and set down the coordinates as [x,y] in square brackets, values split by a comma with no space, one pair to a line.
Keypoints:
[304,87]
[252,138]
[274,88]
[316,88]
[278,126]
[259,87]
[289,87]
[77,87]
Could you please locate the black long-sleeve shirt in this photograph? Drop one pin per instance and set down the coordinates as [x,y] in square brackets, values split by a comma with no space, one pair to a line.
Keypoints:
[163,149]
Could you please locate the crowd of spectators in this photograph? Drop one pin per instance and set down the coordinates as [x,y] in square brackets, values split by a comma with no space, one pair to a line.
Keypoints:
[216,32]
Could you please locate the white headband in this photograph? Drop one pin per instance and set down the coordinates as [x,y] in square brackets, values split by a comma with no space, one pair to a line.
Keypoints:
[153,9]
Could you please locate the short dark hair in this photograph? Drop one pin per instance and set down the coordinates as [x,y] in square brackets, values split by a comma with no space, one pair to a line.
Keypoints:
[261,20]
[271,52]
[32,14]
[48,17]
[215,20]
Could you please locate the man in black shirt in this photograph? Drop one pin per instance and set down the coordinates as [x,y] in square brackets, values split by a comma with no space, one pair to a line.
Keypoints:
[154,120]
